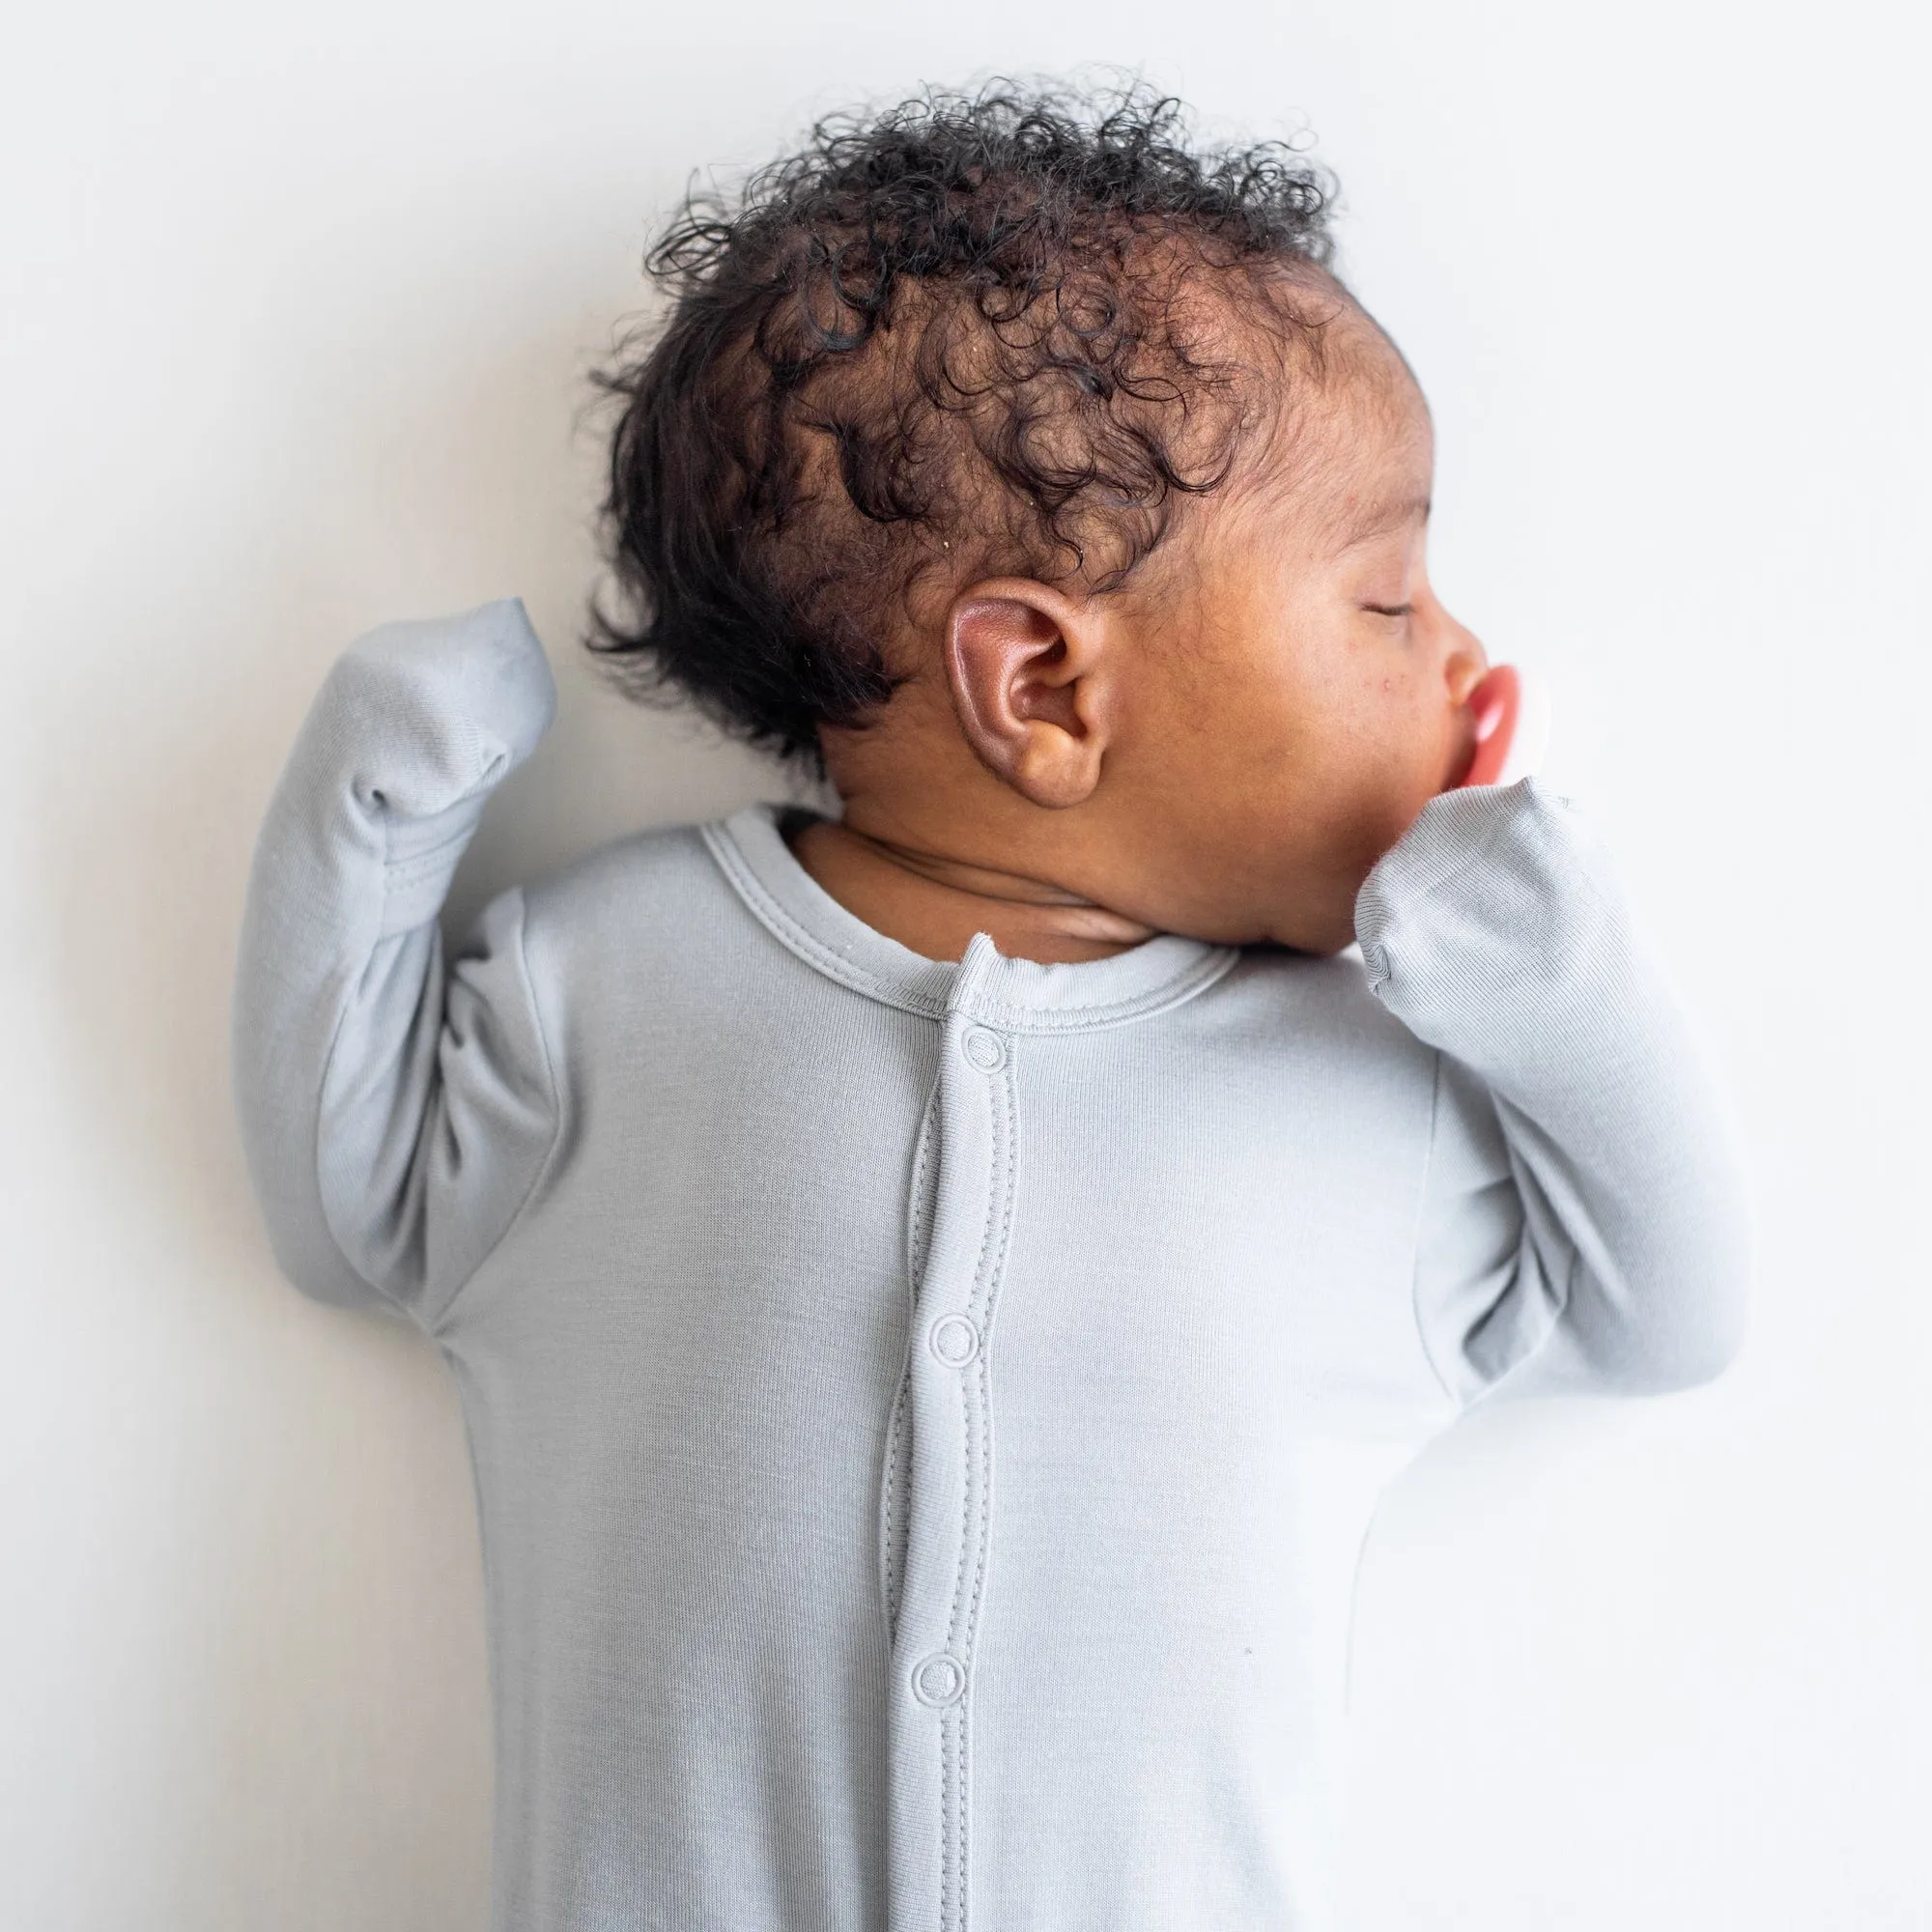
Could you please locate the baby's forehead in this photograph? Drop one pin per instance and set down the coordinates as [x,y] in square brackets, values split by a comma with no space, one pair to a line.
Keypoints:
[1346,454]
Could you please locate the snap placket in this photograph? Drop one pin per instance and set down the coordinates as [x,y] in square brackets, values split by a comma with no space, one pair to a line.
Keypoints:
[947,1473]
[936,1493]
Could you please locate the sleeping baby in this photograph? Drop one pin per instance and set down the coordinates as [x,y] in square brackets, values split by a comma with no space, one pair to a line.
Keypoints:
[937,1290]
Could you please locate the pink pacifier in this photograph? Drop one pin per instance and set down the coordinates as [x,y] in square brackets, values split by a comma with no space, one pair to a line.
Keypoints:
[1511,708]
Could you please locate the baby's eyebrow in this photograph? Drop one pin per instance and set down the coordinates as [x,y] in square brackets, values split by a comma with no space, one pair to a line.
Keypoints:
[1377,518]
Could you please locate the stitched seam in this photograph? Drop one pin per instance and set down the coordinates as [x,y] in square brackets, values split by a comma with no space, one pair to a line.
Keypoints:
[993,1276]
[1090,1019]
[992,1270]
[962,1867]
[947,1788]
[961,1783]
[959,1635]
[893,1583]
[917,1234]
[795,938]
[992,1260]
[1014,1019]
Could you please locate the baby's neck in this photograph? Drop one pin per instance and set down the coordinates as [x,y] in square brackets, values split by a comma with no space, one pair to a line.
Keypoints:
[933,904]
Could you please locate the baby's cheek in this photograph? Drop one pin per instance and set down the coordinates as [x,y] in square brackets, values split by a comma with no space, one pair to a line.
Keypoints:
[1427,741]
[1390,793]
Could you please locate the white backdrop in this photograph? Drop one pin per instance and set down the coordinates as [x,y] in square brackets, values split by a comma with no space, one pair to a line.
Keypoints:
[297,305]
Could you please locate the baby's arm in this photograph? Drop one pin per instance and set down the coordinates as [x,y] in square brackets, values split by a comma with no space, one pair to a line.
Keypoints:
[396,1114]
[1583,1224]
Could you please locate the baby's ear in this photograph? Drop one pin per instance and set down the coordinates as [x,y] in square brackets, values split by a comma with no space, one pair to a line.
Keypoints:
[1026,667]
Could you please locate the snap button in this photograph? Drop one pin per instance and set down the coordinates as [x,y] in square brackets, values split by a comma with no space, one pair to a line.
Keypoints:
[955,1340]
[938,1680]
[984,1049]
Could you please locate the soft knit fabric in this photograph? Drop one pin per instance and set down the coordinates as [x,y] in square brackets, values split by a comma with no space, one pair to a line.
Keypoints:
[926,1416]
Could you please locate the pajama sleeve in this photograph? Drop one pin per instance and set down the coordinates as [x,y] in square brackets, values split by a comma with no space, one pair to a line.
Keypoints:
[397,1109]
[1583,1225]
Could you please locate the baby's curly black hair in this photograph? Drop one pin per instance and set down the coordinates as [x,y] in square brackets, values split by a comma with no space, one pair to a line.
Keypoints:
[978,331]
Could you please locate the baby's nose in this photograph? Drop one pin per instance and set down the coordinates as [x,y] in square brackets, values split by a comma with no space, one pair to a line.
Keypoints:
[1465,666]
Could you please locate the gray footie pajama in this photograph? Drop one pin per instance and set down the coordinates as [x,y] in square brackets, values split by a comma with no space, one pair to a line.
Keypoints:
[926,1416]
